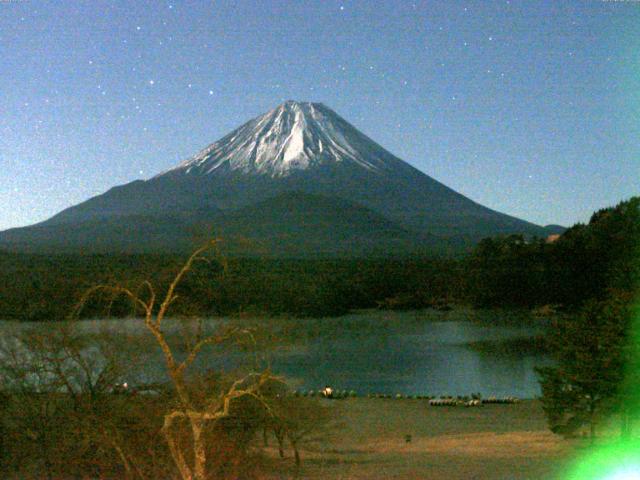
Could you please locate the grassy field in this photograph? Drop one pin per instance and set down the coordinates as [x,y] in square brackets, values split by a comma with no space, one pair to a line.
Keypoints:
[488,442]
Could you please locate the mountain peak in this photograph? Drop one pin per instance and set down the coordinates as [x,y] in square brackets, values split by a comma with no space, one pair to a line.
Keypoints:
[293,136]
[297,103]
[303,106]
[297,146]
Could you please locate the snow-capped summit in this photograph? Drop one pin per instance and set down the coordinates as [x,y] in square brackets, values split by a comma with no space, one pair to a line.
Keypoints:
[293,136]
[299,176]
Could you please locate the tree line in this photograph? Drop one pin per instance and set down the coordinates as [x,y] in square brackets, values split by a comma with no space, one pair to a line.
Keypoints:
[506,271]
[586,262]
[45,288]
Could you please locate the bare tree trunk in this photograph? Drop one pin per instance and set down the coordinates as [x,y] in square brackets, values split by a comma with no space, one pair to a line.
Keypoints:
[44,447]
[176,452]
[199,452]
[296,453]
[43,443]
[124,460]
[280,437]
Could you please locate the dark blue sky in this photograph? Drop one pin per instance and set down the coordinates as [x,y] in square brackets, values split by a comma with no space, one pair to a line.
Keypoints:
[531,108]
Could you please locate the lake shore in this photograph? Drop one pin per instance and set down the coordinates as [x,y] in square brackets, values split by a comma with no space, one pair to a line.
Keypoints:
[489,442]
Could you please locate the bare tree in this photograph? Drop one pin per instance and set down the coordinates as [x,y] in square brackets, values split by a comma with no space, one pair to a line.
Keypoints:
[59,383]
[191,459]
[302,421]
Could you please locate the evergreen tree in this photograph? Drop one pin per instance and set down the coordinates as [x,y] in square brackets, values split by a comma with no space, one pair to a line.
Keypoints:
[591,350]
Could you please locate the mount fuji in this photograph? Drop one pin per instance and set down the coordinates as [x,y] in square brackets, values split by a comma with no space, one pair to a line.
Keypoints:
[299,180]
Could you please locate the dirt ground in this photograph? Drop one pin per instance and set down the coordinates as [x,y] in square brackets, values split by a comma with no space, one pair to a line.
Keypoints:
[489,442]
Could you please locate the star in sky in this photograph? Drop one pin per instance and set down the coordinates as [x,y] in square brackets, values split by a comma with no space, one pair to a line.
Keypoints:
[477,76]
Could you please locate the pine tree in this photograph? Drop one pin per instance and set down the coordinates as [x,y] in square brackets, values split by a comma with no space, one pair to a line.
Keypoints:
[587,382]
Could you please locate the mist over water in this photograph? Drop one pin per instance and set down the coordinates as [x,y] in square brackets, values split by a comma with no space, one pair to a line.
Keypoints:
[412,353]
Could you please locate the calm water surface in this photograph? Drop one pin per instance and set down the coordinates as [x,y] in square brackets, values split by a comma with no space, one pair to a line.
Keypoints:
[420,352]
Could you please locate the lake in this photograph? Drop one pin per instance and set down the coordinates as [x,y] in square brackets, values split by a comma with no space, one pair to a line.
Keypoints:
[423,352]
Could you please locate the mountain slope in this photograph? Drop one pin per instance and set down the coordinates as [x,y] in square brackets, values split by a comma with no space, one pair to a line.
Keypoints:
[296,147]
[302,225]
[292,224]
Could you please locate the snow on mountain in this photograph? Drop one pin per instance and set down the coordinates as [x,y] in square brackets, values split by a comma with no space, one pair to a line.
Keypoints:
[299,157]
[293,136]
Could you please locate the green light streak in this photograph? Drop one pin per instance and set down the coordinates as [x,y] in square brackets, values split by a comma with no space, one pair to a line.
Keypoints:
[618,459]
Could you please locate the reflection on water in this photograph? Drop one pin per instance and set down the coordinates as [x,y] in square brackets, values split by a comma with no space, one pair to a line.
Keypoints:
[379,352]
[432,361]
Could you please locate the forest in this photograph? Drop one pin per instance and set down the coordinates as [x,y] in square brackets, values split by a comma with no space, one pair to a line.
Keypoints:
[587,261]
